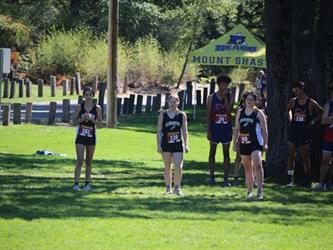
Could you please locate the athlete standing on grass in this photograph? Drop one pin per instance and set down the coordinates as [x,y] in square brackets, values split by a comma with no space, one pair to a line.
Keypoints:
[172,142]
[252,136]
[303,112]
[219,128]
[87,116]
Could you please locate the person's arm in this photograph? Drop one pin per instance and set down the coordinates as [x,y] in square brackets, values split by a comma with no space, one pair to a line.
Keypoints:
[77,120]
[185,132]
[263,125]
[98,119]
[209,106]
[159,133]
[326,119]
[236,130]
[290,105]
[317,110]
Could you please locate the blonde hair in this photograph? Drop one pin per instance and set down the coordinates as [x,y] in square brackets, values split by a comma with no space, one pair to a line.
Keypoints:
[173,96]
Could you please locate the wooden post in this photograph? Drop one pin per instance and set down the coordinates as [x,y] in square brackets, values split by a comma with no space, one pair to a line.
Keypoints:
[205,96]
[148,104]
[199,97]
[126,106]
[28,112]
[40,87]
[66,105]
[28,88]
[212,86]
[5,114]
[20,85]
[155,104]
[95,83]
[101,94]
[119,100]
[77,83]
[52,112]
[79,99]
[72,86]
[65,87]
[53,83]
[139,100]
[159,101]
[166,104]
[189,96]
[6,88]
[181,95]
[125,85]
[17,113]
[12,89]
[131,104]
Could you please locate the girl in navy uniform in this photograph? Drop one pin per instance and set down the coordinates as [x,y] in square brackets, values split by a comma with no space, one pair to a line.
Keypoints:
[87,116]
[252,136]
[303,112]
[219,128]
[172,142]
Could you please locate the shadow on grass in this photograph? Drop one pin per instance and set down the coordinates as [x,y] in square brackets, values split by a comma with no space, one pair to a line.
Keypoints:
[125,189]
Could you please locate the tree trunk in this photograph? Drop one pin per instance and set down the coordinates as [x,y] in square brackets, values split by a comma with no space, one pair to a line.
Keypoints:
[278,24]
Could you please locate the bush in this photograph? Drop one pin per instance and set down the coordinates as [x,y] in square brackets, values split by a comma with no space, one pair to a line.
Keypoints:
[60,52]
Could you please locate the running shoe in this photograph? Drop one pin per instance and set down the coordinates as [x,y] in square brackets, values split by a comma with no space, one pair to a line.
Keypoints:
[319,187]
[260,194]
[291,184]
[178,191]
[211,181]
[76,187]
[168,191]
[226,183]
[87,187]
[249,196]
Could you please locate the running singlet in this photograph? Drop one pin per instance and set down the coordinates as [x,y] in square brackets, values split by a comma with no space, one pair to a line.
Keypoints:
[300,115]
[172,129]
[218,114]
[250,131]
[86,131]
[328,136]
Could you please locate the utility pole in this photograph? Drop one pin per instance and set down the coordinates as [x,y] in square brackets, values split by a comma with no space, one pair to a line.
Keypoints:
[111,115]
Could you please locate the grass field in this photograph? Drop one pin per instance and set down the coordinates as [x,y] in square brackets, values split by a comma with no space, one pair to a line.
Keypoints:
[127,208]
[34,95]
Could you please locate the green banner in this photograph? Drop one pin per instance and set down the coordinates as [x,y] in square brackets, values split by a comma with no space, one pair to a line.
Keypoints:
[238,47]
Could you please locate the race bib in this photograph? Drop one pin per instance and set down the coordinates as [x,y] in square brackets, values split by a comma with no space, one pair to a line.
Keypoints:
[173,137]
[221,119]
[299,117]
[86,131]
[245,138]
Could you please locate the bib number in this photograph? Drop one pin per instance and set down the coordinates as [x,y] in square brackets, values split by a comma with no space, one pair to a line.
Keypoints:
[173,137]
[221,119]
[86,131]
[299,118]
[244,138]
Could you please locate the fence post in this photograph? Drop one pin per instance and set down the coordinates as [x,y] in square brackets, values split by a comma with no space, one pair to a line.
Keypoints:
[72,86]
[148,104]
[6,88]
[12,89]
[53,83]
[199,97]
[131,104]
[64,87]
[17,113]
[138,107]
[40,87]
[20,85]
[27,88]
[126,106]
[77,83]
[205,96]
[119,100]
[5,114]
[28,112]
[52,112]
[66,105]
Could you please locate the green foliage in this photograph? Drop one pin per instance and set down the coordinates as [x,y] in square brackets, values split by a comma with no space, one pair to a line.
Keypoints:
[60,52]
[239,74]
[13,34]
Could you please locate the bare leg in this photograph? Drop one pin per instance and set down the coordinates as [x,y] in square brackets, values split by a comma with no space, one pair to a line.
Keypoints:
[167,158]
[291,161]
[305,152]
[257,164]
[178,161]
[211,159]
[79,161]
[226,160]
[247,163]
[89,156]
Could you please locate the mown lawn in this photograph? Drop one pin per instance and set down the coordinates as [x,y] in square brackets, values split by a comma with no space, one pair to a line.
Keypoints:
[127,208]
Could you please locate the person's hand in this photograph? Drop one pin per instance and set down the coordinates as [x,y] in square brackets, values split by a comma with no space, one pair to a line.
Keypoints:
[209,136]
[159,149]
[235,147]
[265,147]
[311,124]
[187,149]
